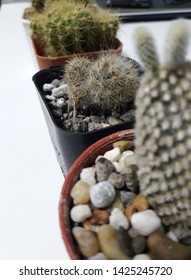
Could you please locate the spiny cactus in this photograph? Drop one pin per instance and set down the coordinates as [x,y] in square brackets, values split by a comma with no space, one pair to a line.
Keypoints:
[71,28]
[108,83]
[163,129]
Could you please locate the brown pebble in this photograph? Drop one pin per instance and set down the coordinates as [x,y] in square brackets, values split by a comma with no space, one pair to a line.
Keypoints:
[129,211]
[140,203]
[164,248]
[87,241]
[80,192]
[99,217]
[123,145]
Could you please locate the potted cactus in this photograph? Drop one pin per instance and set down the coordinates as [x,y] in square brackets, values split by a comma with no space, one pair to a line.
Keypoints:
[162,156]
[92,99]
[64,28]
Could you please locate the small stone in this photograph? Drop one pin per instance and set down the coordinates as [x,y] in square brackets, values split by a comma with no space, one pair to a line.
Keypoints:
[117,204]
[118,166]
[80,213]
[123,145]
[61,103]
[48,87]
[172,236]
[128,116]
[117,219]
[87,241]
[125,242]
[139,244]
[104,168]
[124,155]
[88,175]
[81,192]
[56,82]
[140,203]
[141,257]
[107,237]
[130,177]
[164,248]
[98,256]
[145,222]
[112,120]
[129,211]
[113,154]
[116,180]
[94,126]
[130,160]
[99,217]
[102,194]
[50,98]
[127,197]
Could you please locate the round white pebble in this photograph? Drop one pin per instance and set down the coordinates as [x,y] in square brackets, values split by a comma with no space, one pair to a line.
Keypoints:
[145,222]
[80,213]
[113,155]
[117,219]
[88,175]
[141,257]
[102,194]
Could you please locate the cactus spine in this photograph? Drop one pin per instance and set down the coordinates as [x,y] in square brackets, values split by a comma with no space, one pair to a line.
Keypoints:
[163,129]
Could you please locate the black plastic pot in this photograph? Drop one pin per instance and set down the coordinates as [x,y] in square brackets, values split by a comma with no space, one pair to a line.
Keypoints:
[68,145]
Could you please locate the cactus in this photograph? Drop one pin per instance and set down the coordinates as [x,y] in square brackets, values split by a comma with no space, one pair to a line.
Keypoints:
[163,129]
[108,83]
[38,4]
[72,28]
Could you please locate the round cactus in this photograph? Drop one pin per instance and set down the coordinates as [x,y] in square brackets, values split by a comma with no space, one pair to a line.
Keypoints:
[163,129]
[108,83]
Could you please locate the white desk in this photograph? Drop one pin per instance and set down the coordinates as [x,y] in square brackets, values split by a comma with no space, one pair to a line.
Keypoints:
[30,177]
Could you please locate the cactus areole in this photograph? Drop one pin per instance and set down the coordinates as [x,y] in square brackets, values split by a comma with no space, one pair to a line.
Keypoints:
[163,129]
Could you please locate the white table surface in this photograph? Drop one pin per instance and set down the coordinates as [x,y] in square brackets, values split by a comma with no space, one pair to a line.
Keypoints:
[30,177]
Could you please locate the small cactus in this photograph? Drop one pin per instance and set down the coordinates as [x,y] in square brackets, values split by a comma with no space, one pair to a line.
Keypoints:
[108,83]
[71,27]
[163,129]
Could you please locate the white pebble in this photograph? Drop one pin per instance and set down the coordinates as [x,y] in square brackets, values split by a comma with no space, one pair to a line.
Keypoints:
[145,222]
[48,87]
[98,256]
[113,155]
[88,175]
[80,213]
[172,236]
[117,219]
[102,194]
[141,257]
[118,166]
[124,158]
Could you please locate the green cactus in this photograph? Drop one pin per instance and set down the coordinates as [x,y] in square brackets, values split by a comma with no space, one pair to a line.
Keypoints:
[108,83]
[73,28]
[163,129]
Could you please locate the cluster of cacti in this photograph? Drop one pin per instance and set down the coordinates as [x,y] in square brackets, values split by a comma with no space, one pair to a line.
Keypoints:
[108,83]
[69,27]
[163,129]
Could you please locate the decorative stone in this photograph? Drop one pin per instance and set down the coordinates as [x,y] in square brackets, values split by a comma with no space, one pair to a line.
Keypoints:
[99,217]
[102,194]
[48,87]
[113,154]
[141,257]
[165,248]
[130,160]
[117,204]
[80,213]
[104,168]
[145,222]
[123,145]
[88,175]
[107,237]
[126,197]
[56,82]
[125,242]
[87,241]
[139,244]
[117,219]
[130,177]
[129,211]
[112,120]
[98,256]
[81,192]
[118,166]
[116,180]
[140,203]
[171,235]
[124,155]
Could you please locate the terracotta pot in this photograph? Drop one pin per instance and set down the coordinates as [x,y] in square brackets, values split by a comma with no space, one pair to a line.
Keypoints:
[46,62]
[86,159]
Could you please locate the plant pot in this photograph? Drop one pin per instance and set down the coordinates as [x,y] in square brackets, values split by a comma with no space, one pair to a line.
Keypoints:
[46,62]
[68,145]
[86,159]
